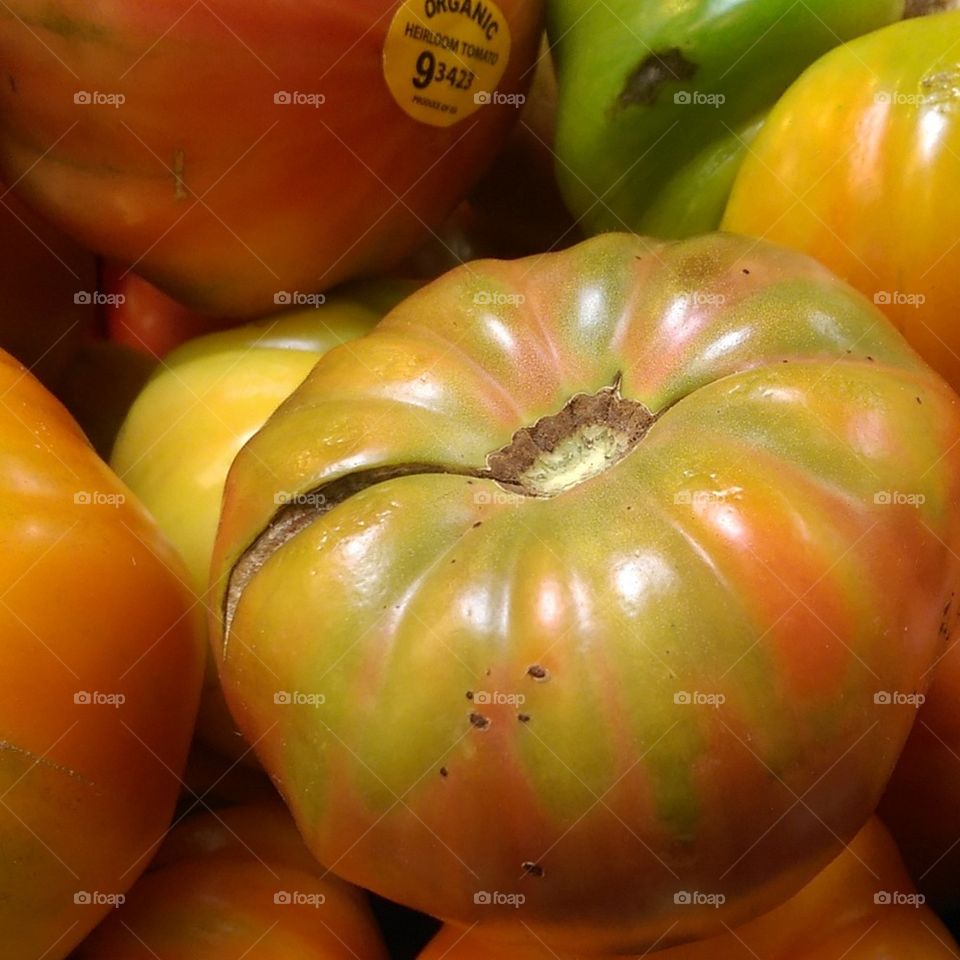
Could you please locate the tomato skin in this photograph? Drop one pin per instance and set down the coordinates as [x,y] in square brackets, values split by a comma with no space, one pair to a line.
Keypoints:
[144,318]
[204,184]
[213,890]
[95,606]
[835,915]
[785,407]
[883,212]
[208,397]
[659,101]
[922,803]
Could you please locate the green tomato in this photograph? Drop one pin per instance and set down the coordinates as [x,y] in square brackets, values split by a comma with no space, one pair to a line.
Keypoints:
[658,101]
[205,401]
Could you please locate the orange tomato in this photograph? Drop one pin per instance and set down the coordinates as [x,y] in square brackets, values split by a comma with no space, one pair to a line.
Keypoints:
[861,907]
[101,662]
[858,164]
[238,883]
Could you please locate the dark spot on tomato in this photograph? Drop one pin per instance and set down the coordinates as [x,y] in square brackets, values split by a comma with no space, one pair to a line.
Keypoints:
[532,869]
[644,82]
[870,359]
[523,717]
[469,694]
[918,400]
[489,671]
[477,524]
[537,672]
[444,772]
[745,272]
[454,560]
[479,721]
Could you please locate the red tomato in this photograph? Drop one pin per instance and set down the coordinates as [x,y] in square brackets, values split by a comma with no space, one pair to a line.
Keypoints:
[145,318]
[231,150]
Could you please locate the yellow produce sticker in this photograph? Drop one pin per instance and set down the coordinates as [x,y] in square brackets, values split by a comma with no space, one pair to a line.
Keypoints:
[443,59]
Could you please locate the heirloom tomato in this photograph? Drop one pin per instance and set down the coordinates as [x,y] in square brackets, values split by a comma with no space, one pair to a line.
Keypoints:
[238,883]
[101,663]
[658,101]
[233,150]
[206,399]
[596,577]
[861,907]
[858,165]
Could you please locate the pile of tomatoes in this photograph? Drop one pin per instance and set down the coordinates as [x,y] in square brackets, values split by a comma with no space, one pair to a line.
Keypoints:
[480,479]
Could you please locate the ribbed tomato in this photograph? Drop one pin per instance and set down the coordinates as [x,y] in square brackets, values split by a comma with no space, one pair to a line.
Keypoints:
[101,663]
[863,906]
[237,884]
[858,165]
[598,577]
[232,150]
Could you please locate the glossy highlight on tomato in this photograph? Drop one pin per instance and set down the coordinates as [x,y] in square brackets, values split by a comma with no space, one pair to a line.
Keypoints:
[594,579]
[100,671]
[858,165]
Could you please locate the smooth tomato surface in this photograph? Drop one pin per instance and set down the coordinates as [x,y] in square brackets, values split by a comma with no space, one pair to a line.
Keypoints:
[858,165]
[257,148]
[594,579]
[205,401]
[100,672]
[238,883]
[863,906]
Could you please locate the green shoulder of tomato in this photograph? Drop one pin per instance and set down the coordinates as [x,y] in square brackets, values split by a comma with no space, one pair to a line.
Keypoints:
[659,101]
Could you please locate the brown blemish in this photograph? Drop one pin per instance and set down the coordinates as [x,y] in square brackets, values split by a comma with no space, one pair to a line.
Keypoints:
[538,672]
[479,721]
[644,82]
[469,694]
[923,8]
[532,869]
[523,717]
[444,772]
